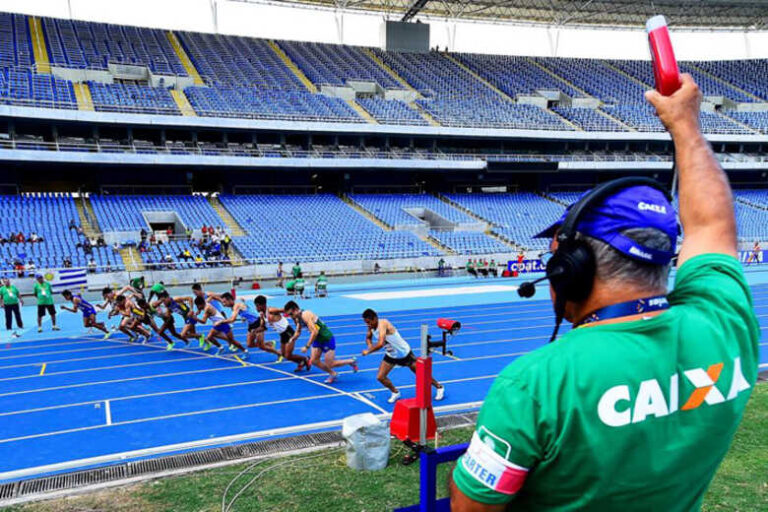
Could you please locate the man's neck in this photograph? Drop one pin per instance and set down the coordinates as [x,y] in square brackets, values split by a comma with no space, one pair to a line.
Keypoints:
[604,295]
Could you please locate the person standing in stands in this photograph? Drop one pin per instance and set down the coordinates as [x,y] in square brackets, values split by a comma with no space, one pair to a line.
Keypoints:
[11,299]
[280,274]
[44,296]
[634,408]
[296,270]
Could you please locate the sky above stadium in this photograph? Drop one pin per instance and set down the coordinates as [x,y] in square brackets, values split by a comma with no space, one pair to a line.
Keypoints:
[263,19]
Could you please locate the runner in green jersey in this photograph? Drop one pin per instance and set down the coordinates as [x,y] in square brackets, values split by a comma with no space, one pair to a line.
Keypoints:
[156,290]
[635,408]
[320,339]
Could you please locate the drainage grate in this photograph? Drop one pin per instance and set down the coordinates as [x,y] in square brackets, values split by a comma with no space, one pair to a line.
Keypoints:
[83,478]
[72,480]
[8,491]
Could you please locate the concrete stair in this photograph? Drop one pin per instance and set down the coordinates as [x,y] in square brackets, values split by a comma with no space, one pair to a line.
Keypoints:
[184,58]
[489,225]
[363,113]
[131,259]
[87,217]
[83,96]
[292,66]
[365,213]
[183,103]
[477,77]
[39,48]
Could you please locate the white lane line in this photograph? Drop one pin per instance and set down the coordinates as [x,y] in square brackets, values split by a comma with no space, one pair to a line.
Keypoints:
[115,381]
[79,359]
[147,395]
[202,443]
[433,292]
[170,416]
[82,370]
[108,412]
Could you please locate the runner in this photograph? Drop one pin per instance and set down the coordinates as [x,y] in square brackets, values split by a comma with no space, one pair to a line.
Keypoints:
[109,295]
[320,339]
[755,254]
[44,296]
[397,353]
[148,318]
[137,283]
[288,335]
[221,329]
[132,316]
[256,325]
[213,298]
[89,313]
[183,307]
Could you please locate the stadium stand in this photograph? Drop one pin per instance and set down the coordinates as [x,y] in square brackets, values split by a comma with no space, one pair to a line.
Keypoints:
[470,242]
[391,208]
[516,217]
[314,228]
[455,98]
[252,78]
[82,44]
[124,213]
[49,216]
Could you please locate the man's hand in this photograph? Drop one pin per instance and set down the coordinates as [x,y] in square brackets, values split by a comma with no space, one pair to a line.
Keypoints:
[680,112]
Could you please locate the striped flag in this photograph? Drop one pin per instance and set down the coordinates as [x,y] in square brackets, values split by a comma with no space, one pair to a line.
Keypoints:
[67,278]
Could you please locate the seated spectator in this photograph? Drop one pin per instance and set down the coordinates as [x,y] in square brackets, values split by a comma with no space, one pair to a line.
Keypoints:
[100,242]
[494,268]
[482,267]
[115,247]
[198,261]
[31,268]
[33,238]
[72,224]
[153,239]
[92,266]
[471,267]
[20,238]
[321,285]
[67,262]
[80,230]
[108,268]
[143,234]
[169,232]
[19,268]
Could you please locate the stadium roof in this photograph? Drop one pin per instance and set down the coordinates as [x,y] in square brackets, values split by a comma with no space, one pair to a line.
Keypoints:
[745,14]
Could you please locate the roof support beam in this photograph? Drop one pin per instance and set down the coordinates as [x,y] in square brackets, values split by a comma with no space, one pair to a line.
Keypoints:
[414,9]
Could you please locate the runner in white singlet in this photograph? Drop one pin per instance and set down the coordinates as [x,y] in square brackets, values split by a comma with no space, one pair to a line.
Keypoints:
[397,352]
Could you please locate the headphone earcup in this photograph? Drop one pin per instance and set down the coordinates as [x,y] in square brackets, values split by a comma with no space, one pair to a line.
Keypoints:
[571,270]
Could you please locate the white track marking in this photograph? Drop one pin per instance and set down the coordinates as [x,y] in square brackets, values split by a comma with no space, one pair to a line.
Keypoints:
[108,412]
[202,443]
[433,292]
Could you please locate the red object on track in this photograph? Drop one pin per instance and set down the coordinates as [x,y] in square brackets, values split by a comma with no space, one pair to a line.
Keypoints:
[665,70]
[404,424]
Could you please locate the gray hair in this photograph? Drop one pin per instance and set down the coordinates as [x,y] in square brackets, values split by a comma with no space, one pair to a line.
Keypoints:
[615,266]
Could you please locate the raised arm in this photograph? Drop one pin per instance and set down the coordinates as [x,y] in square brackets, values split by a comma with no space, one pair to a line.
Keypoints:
[233,317]
[382,334]
[706,203]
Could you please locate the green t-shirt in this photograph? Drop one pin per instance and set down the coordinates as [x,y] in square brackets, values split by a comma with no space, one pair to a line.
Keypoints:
[157,288]
[296,270]
[44,294]
[322,281]
[623,416]
[298,284]
[138,283]
[10,295]
[289,285]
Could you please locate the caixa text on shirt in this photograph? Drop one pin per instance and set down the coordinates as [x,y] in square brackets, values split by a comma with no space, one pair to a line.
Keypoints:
[622,405]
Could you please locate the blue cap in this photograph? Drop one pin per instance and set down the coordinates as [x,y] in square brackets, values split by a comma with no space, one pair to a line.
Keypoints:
[634,207]
[38,276]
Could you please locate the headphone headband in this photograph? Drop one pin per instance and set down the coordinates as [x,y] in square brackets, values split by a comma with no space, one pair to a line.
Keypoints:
[596,195]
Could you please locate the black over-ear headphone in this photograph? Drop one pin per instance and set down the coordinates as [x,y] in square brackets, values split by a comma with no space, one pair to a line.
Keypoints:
[571,270]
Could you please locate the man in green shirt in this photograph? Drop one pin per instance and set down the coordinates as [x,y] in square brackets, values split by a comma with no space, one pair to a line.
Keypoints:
[156,290]
[44,297]
[321,285]
[10,298]
[296,270]
[635,408]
